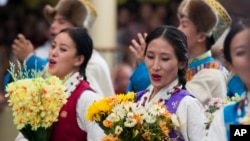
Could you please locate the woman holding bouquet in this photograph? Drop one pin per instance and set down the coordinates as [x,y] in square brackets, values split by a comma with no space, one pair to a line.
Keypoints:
[68,57]
[166,60]
[237,53]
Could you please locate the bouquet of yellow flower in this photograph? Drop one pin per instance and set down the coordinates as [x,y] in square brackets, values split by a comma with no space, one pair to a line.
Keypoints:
[35,102]
[121,119]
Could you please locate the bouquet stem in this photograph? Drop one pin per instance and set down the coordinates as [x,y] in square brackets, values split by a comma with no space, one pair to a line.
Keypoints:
[41,134]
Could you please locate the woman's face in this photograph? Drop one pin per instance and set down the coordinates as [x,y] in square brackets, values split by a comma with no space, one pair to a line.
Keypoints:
[161,62]
[189,29]
[240,53]
[62,56]
[59,23]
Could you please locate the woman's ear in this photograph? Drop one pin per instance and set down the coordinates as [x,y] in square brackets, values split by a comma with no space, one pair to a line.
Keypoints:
[202,37]
[79,60]
[182,65]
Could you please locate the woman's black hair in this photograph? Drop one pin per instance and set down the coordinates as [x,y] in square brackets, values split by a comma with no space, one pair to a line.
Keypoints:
[209,42]
[84,45]
[235,29]
[178,40]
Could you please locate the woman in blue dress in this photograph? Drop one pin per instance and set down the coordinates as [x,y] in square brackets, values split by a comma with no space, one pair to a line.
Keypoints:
[237,53]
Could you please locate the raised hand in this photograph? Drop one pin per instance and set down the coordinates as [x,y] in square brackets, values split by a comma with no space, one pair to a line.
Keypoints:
[138,48]
[22,47]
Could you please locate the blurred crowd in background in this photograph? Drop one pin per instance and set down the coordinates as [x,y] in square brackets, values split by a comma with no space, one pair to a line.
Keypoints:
[133,16]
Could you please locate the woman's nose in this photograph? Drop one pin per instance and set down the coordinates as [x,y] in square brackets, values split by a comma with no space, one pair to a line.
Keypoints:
[156,65]
[53,52]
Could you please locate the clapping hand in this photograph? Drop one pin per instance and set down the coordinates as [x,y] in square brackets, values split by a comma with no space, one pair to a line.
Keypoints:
[138,48]
[22,47]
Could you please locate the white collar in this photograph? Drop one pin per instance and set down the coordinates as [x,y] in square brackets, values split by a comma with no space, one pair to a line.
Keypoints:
[162,94]
[72,82]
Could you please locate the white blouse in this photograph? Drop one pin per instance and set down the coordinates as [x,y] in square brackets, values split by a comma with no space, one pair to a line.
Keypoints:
[190,113]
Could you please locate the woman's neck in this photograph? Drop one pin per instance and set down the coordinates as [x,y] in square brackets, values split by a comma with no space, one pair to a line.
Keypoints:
[169,87]
[198,50]
[154,92]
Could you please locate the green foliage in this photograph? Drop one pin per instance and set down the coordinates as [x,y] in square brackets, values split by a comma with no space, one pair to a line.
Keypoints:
[22,72]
